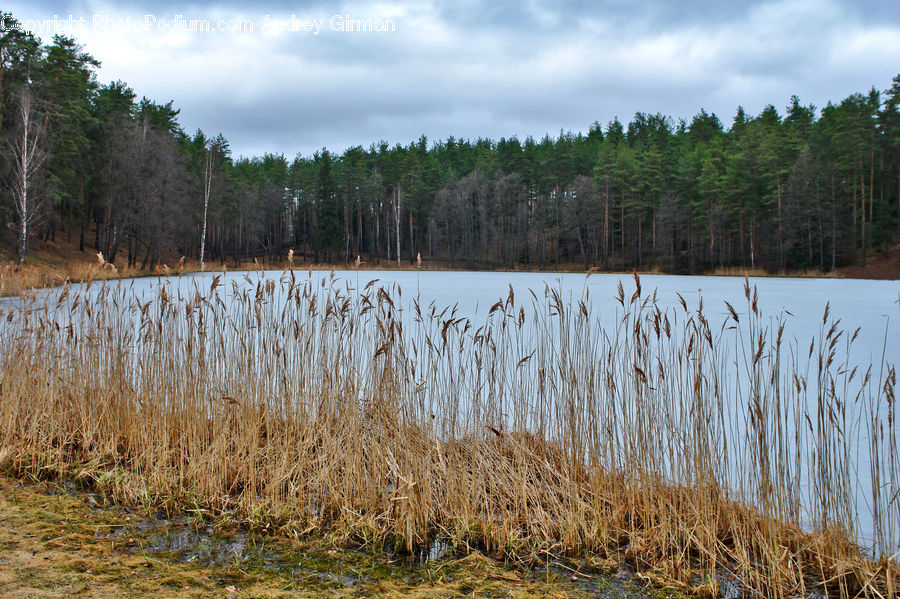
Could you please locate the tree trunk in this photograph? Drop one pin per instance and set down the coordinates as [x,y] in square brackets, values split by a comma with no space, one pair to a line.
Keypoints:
[623,232]
[780,225]
[23,241]
[207,184]
[28,158]
[862,208]
[397,219]
[606,227]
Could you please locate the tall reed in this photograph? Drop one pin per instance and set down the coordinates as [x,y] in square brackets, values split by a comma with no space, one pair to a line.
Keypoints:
[701,453]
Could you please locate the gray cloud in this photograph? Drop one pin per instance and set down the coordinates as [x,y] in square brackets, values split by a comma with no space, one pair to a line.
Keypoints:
[474,68]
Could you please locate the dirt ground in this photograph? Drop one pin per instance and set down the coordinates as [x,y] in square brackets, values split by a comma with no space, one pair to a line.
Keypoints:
[878,266]
[56,541]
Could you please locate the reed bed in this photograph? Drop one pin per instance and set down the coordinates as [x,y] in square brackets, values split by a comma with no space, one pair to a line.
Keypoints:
[708,456]
[18,280]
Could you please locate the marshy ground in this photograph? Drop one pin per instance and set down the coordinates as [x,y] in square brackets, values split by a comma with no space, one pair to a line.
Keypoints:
[58,541]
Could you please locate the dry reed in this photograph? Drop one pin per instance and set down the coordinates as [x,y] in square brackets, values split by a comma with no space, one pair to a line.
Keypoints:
[312,406]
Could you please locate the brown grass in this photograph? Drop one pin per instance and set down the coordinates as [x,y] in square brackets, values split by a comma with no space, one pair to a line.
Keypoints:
[535,432]
[737,271]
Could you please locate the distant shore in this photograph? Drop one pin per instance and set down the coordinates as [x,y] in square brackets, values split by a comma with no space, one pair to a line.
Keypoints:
[54,263]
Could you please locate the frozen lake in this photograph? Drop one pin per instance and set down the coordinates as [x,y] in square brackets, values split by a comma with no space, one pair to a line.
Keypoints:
[872,306]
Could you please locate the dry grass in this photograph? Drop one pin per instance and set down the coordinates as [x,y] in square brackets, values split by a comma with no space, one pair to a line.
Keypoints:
[18,280]
[737,271]
[534,432]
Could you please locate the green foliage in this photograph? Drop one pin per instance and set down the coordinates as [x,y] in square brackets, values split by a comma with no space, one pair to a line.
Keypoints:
[328,215]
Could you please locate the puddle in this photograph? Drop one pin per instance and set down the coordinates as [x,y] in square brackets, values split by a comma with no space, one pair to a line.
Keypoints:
[199,546]
[730,587]
[618,586]
[71,489]
[203,547]
[344,580]
[437,550]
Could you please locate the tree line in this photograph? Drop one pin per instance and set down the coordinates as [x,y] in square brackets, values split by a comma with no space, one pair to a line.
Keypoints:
[802,189]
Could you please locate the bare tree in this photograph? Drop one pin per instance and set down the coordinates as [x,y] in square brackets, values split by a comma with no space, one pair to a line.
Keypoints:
[396,207]
[28,153]
[207,184]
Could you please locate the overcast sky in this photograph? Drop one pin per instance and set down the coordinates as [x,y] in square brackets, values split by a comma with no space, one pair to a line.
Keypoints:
[472,68]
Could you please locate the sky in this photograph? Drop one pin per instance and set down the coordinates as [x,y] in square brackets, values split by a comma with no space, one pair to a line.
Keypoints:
[294,77]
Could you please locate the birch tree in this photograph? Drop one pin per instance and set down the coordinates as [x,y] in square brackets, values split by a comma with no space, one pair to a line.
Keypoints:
[26,144]
[207,184]
[214,154]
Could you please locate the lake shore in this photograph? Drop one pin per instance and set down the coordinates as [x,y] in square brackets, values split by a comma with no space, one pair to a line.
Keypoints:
[52,264]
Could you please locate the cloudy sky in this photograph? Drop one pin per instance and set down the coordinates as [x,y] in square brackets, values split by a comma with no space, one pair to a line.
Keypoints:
[297,76]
